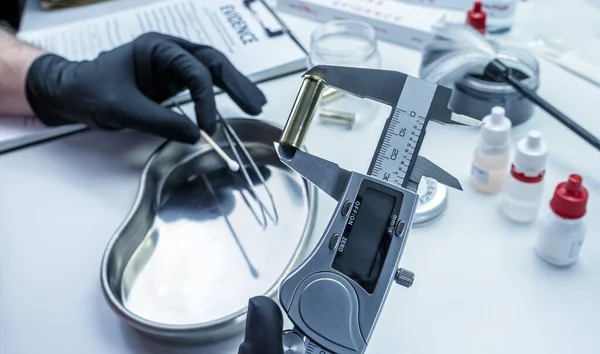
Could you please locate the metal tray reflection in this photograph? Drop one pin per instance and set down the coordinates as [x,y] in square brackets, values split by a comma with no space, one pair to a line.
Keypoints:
[177,268]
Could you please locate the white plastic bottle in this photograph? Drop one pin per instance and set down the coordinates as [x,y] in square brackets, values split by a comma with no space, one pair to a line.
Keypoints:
[492,154]
[562,232]
[500,15]
[522,193]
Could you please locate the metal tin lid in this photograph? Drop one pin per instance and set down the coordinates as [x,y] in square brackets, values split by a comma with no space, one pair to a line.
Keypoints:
[432,201]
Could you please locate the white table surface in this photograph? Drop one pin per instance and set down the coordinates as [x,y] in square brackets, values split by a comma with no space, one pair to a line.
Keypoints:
[479,287]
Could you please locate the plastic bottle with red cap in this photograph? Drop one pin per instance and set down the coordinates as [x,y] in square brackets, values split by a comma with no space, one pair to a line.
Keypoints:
[562,232]
[522,194]
[476,18]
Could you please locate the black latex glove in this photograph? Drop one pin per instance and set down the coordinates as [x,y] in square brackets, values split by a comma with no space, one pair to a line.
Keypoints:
[122,87]
[264,324]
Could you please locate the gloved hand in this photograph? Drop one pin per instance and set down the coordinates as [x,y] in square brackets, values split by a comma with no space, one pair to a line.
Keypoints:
[122,87]
[264,324]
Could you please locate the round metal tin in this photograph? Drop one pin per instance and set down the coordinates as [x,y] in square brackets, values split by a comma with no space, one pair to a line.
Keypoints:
[475,96]
[191,253]
[432,201]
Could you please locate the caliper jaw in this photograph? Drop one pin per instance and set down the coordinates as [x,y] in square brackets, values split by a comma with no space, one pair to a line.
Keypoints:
[326,175]
[425,168]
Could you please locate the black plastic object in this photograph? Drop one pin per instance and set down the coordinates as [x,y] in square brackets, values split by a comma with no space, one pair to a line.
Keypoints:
[475,95]
[264,325]
[497,71]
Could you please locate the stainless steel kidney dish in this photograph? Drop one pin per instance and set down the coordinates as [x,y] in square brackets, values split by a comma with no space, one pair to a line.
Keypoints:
[190,254]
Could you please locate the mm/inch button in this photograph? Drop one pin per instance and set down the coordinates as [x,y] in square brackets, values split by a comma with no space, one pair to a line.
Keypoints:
[400,228]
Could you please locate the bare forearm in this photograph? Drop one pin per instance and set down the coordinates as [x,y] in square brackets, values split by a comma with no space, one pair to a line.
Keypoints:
[15,59]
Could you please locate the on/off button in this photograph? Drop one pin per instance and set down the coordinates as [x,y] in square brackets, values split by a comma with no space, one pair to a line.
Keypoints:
[346,207]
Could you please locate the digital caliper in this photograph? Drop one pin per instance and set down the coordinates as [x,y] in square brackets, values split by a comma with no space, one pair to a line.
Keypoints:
[335,296]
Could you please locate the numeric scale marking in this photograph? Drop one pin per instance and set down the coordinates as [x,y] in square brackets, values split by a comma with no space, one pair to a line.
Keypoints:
[395,154]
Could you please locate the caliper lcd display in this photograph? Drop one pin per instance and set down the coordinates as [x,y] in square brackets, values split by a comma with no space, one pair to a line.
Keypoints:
[366,239]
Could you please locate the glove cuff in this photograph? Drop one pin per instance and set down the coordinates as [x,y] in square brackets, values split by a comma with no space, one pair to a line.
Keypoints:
[42,81]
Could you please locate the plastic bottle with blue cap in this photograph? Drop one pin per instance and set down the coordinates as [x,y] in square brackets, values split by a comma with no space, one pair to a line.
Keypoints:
[491,157]
[524,187]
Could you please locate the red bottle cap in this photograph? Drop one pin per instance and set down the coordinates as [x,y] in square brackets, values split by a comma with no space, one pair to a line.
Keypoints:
[570,198]
[476,18]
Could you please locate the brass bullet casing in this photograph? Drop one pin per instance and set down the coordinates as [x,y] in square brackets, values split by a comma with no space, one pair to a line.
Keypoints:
[330,94]
[345,119]
[303,111]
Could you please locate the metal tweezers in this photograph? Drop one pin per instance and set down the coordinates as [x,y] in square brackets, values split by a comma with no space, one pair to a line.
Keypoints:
[231,136]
